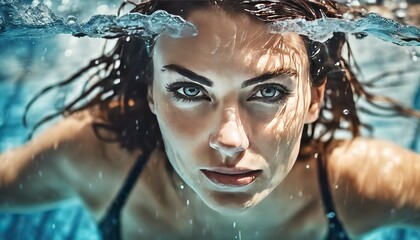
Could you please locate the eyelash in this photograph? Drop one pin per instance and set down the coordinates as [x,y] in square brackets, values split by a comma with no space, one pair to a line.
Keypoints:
[176,86]
[173,88]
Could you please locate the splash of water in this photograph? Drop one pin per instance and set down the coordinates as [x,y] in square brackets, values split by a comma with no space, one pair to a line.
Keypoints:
[373,24]
[18,20]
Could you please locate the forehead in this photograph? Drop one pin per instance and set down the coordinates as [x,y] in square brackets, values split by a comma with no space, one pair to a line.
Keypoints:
[232,40]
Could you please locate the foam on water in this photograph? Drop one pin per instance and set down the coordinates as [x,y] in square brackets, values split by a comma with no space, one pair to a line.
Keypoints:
[21,20]
[373,24]
[18,20]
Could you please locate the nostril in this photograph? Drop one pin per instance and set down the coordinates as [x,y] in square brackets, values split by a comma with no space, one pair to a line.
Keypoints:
[229,151]
[230,137]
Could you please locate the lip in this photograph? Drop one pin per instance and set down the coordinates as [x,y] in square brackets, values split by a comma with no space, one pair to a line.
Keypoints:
[231,177]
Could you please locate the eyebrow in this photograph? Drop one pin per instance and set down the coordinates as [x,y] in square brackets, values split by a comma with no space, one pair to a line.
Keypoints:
[189,74]
[269,75]
[207,82]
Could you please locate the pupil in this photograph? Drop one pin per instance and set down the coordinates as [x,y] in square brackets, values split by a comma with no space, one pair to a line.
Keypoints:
[269,92]
[190,91]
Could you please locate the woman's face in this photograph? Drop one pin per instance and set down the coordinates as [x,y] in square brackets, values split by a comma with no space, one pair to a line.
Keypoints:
[231,104]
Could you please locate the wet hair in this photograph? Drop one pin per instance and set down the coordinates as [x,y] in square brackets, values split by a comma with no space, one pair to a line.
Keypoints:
[122,75]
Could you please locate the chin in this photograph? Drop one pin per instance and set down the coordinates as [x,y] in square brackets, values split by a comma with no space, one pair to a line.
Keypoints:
[233,203]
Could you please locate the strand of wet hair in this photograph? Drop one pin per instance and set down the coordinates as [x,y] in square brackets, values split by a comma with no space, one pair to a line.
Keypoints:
[103,59]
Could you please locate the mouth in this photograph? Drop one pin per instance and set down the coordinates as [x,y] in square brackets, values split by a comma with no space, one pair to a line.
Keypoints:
[231,177]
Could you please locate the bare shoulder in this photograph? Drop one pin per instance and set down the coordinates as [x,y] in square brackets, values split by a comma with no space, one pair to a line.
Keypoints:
[379,169]
[375,183]
[64,161]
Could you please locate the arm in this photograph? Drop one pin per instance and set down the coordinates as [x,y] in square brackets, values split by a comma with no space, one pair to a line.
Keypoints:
[40,173]
[375,184]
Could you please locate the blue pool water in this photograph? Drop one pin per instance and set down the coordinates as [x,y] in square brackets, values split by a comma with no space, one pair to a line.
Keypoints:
[28,65]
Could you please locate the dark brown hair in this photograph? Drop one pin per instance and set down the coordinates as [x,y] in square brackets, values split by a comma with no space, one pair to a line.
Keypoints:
[122,91]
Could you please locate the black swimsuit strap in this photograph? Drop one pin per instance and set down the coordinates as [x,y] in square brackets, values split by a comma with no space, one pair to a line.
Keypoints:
[109,226]
[335,228]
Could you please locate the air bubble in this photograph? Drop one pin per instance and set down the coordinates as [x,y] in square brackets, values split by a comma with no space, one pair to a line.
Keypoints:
[68,53]
[331,215]
[72,20]
[346,111]
[414,55]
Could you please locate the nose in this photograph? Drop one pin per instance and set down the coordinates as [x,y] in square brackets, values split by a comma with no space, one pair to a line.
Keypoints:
[230,137]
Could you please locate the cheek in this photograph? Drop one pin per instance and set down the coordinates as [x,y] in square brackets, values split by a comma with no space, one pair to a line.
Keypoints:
[279,140]
[180,128]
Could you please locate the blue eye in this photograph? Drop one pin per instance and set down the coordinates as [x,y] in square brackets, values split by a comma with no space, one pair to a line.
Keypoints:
[269,93]
[187,91]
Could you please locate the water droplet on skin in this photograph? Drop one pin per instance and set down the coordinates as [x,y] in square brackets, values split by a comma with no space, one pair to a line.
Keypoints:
[191,221]
[307,166]
[40,173]
[181,186]
[336,186]
[188,202]
[291,197]
[300,193]
[127,39]
[100,175]
[346,111]
[316,155]
[234,224]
